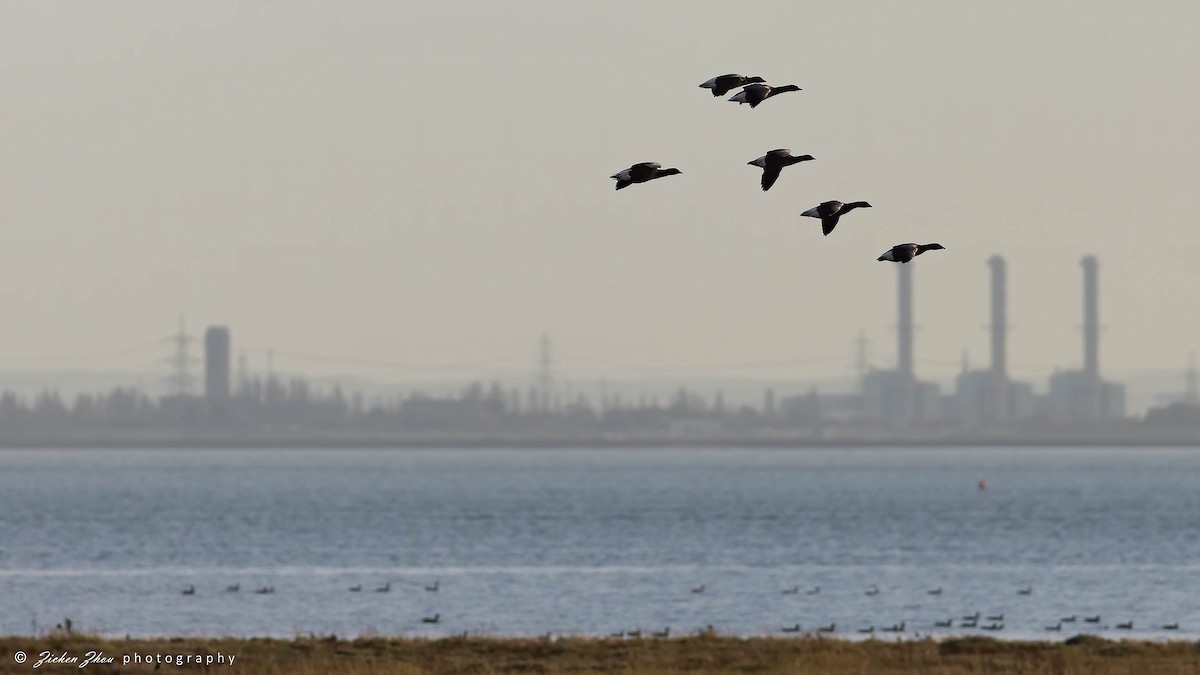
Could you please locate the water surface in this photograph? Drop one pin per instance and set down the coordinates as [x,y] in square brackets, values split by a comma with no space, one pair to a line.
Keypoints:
[524,542]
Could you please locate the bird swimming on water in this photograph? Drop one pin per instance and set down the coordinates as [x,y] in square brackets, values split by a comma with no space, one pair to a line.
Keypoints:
[642,172]
[758,92]
[773,162]
[829,213]
[903,253]
[721,84]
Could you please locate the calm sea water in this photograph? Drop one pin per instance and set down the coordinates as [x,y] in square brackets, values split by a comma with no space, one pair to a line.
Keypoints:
[524,542]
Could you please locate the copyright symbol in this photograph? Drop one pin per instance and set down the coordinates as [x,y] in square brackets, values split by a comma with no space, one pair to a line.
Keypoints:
[19,657]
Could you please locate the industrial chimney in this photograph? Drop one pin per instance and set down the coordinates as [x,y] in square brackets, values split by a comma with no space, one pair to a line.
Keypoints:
[904,330]
[999,317]
[1091,319]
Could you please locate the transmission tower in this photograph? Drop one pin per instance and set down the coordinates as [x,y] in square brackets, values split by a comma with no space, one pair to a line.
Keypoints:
[243,377]
[180,379]
[1191,395]
[861,361]
[545,379]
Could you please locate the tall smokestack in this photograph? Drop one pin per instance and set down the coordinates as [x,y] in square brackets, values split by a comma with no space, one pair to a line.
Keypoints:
[1091,318]
[905,328]
[999,317]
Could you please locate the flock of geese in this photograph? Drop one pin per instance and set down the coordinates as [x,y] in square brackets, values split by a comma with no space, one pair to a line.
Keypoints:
[755,91]
[357,588]
[970,621]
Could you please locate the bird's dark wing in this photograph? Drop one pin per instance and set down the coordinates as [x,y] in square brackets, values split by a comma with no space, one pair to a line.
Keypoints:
[756,93]
[623,184]
[828,223]
[724,83]
[770,175]
[644,171]
[830,209]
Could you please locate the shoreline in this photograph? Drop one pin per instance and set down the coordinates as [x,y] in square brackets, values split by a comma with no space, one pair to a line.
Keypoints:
[704,653]
[588,443]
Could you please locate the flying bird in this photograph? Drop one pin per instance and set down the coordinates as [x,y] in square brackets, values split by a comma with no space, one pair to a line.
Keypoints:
[721,84]
[773,162]
[640,173]
[757,93]
[902,253]
[830,212]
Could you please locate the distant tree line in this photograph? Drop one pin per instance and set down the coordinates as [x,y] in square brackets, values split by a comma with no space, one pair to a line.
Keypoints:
[271,404]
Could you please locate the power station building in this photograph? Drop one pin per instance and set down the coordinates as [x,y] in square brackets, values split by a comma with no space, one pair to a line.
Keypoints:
[1084,394]
[897,396]
[989,396]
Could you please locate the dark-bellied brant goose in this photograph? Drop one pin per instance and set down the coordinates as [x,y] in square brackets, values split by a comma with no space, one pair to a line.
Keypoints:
[722,84]
[432,619]
[829,213]
[757,93]
[434,588]
[642,172]
[791,629]
[773,162]
[903,253]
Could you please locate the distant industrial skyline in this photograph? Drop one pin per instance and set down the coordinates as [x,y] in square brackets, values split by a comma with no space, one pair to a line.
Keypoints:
[393,189]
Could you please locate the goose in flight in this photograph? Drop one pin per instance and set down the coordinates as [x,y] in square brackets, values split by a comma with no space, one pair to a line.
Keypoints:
[642,172]
[903,253]
[722,84]
[759,92]
[829,213]
[773,162]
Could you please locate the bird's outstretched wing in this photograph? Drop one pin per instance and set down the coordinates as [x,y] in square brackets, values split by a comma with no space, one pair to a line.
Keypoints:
[770,175]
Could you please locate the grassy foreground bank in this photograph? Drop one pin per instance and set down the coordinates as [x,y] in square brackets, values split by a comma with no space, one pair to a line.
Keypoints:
[704,654]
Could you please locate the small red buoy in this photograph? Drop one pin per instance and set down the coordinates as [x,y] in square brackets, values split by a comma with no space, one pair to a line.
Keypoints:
[983,484]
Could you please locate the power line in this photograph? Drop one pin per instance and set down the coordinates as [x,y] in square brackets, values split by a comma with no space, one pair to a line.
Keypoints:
[180,380]
[743,365]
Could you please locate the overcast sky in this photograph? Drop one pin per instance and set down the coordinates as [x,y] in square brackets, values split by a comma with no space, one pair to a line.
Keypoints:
[427,183]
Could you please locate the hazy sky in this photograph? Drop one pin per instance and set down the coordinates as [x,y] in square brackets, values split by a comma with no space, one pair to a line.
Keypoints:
[427,182]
